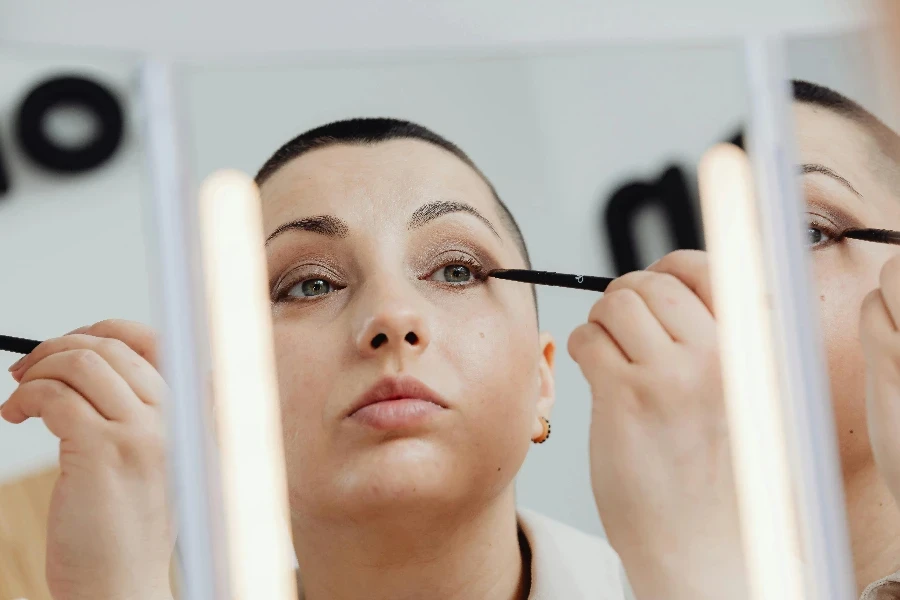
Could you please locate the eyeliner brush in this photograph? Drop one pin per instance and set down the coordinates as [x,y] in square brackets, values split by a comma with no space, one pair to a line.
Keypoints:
[9,343]
[883,236]
[577,282]
[17,345]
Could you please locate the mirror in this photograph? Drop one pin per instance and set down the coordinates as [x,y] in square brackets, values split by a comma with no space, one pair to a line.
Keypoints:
[72,184]
[412,384]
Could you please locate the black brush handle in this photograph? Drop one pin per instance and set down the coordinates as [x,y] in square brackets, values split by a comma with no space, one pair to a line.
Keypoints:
[881,236]
[17,345]
[576,282]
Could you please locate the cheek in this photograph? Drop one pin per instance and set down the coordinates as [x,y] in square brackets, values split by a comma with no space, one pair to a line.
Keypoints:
[306,361]
[842,282]
[840,294]
[492,338]
[495,358]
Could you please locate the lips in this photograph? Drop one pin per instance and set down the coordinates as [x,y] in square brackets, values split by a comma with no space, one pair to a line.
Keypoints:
[392,389]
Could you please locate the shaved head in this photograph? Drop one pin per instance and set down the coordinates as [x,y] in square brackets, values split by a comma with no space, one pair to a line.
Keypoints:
[885,156]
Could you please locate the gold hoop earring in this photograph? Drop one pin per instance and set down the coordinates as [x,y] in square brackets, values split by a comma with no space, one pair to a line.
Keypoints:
[545,433]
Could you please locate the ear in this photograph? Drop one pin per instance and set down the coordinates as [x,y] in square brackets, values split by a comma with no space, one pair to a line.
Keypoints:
[547,390]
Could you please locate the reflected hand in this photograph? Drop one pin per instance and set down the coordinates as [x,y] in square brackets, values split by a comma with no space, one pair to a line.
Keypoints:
[881,345]
[98,390]
[660,461]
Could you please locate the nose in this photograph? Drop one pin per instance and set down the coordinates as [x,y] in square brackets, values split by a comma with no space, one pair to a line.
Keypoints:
[393,327]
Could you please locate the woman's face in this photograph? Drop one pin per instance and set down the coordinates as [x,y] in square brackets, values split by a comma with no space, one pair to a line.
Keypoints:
[838,154]
[377,298]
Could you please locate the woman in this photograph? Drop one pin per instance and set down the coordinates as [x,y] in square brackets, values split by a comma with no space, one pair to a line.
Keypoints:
[656,383]
[412,388]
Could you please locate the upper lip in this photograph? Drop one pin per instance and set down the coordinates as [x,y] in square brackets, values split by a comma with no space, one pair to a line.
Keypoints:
[397,388]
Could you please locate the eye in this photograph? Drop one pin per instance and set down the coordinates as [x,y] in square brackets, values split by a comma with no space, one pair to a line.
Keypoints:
[816,237]
[819,234]
[455,274]
[310,288]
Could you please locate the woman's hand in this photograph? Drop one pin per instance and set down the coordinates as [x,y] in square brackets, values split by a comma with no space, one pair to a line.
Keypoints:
[881,344]
[98,390]
[660,461]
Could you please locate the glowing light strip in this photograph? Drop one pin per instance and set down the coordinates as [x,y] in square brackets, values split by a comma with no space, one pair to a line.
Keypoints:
[252,455]
[755,415]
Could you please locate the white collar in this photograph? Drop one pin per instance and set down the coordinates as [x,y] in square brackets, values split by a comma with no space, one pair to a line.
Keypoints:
[568,564]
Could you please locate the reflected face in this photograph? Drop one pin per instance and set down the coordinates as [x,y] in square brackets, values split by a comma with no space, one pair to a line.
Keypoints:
[405,375]
[849,183]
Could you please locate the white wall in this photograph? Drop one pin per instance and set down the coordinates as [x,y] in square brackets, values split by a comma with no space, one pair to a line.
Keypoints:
[555,132]
[72,248]
[213,28]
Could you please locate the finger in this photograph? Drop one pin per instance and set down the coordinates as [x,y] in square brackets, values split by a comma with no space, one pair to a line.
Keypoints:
[879,338]
[23,361]
[140,338]
[629,321]
[678,309]
[137,336]
[596,353]
[890,287]
[876,328]
[590,344]
[91,377]
[137,372]
[64,412]
[691,267]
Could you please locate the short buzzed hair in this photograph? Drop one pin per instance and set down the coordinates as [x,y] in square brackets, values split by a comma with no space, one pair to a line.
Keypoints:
[819,95]
[805,92]
[369,131]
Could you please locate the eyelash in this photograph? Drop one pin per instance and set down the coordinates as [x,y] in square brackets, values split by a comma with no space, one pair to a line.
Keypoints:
[826,227]
[281,289]
[459,258]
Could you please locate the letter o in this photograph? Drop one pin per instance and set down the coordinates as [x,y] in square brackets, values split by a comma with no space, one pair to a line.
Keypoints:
[69,91]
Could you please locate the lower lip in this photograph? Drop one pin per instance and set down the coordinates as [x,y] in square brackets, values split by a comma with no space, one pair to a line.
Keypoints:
[396,414]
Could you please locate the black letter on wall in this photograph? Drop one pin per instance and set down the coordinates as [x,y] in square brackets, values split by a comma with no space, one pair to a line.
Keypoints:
[69,91]
[4,176]
[671,194]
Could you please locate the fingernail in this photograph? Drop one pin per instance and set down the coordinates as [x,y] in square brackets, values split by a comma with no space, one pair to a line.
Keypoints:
[17,364]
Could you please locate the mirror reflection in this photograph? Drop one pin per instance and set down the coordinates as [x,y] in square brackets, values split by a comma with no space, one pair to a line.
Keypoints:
[446,429]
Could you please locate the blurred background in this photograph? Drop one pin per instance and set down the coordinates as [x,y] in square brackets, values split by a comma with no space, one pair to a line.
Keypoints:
[564,108]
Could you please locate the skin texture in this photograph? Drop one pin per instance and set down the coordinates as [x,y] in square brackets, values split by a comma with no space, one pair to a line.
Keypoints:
[98,390]
[845,274]
[660,464]
[377,513]
[434,504]
[659,437]
[881,342]
[431,508]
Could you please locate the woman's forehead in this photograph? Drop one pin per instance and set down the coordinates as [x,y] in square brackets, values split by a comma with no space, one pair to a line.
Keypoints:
[849,147]
[356,182]
[823,134]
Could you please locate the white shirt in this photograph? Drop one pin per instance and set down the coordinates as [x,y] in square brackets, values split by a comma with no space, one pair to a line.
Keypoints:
[568,564]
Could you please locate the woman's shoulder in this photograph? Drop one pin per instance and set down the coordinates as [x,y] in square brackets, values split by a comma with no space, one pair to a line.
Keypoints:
[569,563]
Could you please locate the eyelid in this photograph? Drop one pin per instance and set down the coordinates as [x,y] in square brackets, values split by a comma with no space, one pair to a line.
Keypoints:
[300,273]
[837,216]
[450,257]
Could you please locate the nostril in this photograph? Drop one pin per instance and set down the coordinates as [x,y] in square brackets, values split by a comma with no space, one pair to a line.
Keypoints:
[378,340]
[412,338]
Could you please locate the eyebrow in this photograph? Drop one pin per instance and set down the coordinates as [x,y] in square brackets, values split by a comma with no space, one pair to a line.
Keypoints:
[334,227]
[326,225]
[817,168]
[433,210]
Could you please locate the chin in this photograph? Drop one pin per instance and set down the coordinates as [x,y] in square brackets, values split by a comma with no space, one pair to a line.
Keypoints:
[402,475]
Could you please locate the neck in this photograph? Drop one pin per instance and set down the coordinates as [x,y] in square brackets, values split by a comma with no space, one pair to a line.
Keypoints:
[874,526]
[410,556]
